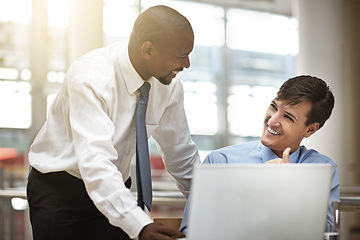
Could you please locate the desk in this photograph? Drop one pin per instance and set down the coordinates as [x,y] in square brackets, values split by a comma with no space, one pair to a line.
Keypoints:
[168,198]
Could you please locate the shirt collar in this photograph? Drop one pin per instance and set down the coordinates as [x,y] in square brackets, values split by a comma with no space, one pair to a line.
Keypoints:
[268,154]
[132,79]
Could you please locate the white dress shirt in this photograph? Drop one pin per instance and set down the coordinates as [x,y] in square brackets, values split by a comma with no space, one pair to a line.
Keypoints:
[90,132]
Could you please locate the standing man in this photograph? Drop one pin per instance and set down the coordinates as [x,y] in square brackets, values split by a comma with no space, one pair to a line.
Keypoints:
[80,160]
[301,107]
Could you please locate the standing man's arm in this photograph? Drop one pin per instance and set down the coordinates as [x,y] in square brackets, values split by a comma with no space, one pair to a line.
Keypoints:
[175,145]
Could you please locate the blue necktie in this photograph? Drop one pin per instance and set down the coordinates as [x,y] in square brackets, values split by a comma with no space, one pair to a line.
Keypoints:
[143,172]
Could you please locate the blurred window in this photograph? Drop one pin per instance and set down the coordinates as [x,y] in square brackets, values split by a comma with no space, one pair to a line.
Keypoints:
[240,58]
[261,32]
[15,11]
[118,19]
[263,50]
[58,23]
[15,104]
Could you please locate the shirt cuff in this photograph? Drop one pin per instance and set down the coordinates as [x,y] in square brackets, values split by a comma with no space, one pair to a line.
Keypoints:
[133,222]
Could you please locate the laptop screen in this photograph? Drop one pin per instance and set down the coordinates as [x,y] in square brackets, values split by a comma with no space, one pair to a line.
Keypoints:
[259,201]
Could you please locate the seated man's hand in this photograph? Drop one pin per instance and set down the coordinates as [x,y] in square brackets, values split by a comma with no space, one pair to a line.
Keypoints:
[157,231]
[284,159]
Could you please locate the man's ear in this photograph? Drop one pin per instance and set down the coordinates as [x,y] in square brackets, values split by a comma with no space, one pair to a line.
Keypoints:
[312,128]
[147,49]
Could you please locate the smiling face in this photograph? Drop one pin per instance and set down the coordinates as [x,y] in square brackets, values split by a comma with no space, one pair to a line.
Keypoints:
[165,61]
[284,125]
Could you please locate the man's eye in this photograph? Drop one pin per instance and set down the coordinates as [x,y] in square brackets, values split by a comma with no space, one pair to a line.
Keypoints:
[290,118]
[273,106]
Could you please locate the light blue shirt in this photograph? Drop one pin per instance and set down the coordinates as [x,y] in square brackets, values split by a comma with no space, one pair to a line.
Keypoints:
[255,152]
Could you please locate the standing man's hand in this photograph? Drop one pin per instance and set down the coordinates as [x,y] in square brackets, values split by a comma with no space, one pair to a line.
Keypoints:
[157,231]
[284,159]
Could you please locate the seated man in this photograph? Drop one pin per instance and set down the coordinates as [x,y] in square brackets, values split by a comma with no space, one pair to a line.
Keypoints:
[301,107]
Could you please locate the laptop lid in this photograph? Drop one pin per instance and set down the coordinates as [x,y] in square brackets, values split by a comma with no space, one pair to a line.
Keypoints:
[259,201]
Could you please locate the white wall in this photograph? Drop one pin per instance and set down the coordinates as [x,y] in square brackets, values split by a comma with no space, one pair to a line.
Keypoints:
[321,47]
[329,47]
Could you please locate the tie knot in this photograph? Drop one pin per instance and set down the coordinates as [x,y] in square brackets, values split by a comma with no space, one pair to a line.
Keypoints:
[144,89]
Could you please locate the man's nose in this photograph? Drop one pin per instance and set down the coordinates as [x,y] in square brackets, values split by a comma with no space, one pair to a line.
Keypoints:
[186,63]
[274,120]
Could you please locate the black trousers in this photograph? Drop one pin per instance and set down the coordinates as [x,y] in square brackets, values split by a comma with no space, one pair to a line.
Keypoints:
[60,208]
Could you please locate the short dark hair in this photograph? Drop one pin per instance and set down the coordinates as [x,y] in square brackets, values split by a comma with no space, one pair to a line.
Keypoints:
[312,89]
[157,22]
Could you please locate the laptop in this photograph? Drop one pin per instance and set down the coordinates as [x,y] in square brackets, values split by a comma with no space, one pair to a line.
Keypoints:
[259,201]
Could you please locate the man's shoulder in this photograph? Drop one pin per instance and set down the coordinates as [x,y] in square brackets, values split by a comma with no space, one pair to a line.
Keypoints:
[100,57]
[95,69]
[235,153]
[256,145]
[313,156]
